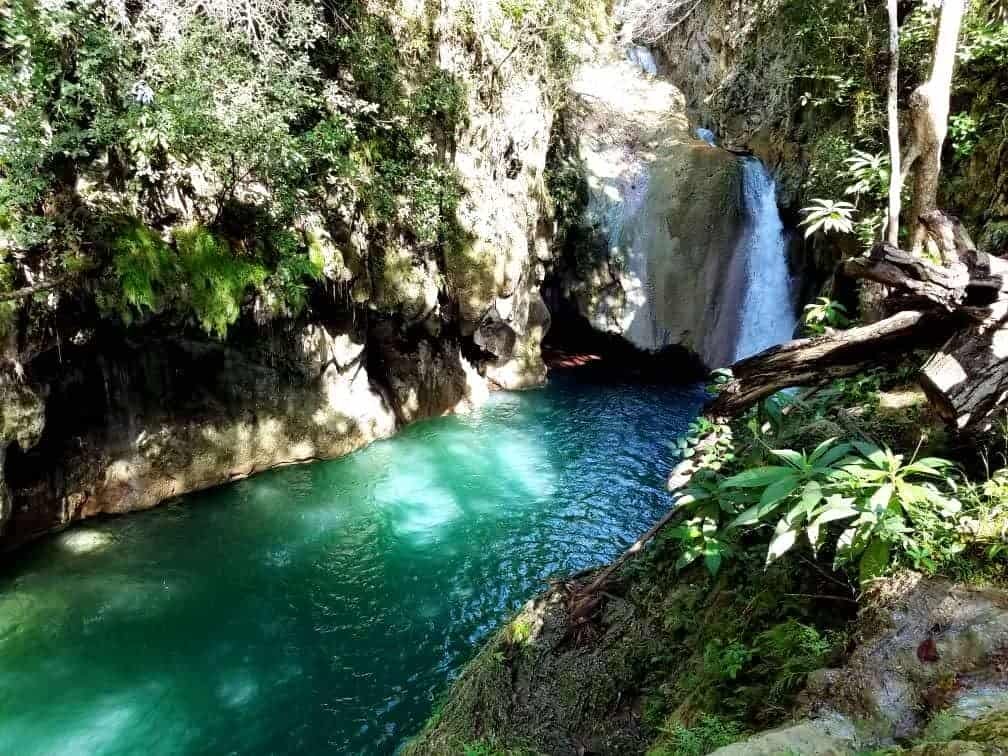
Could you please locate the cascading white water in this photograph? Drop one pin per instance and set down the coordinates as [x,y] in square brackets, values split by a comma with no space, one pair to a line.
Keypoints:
[767,316]
[706,135]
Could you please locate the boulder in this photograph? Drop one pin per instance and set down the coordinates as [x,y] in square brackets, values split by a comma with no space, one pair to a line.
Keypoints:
[656,258]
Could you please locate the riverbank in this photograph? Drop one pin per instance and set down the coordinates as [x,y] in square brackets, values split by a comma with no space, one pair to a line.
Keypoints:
[668,658]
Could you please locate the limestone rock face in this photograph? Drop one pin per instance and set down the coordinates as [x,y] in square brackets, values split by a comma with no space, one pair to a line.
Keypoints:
[656,259]
[732,61]
[141,426]
[398,330]
[22,419]
[426,376]
[500,159]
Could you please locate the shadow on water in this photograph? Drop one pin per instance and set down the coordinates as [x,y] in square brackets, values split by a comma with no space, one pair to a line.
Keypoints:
[323,608]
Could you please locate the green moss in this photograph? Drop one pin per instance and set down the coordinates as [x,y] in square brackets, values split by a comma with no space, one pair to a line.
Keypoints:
[992,729]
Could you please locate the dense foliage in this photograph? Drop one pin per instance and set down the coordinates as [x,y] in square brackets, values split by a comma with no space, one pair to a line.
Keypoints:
[262,132]
[837,68]
[869,502]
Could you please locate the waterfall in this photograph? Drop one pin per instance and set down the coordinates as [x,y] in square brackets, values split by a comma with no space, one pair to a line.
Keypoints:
[767,314]
[706,135]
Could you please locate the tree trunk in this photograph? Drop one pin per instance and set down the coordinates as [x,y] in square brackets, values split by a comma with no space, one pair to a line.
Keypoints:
[807,362]
[895,182]
[913,276]
[929,109]
[967,380]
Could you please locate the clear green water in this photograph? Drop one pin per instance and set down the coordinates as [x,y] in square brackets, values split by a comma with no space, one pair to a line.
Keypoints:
[322,609]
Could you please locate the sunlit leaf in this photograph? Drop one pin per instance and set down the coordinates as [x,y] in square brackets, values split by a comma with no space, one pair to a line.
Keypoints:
[757,477]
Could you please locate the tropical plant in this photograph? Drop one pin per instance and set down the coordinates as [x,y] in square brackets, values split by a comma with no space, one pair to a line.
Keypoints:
[824,313]
[828,216]
[786,654]
[887,502]
[894,502]
[870,174]
[707,442]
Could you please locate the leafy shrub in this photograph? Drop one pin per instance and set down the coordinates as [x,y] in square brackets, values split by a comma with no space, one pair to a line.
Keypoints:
[216,279]
[787,653]
[869,174]
[884,501]
[145,267]
[828,216]
[824,313]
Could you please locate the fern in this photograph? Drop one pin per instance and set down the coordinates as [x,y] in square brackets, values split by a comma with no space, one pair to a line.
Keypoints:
[215,278]
[144,269]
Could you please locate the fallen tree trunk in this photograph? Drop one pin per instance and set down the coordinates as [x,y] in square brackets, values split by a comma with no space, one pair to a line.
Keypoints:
[967,379]
[906,273]
[806,362]
[961,305]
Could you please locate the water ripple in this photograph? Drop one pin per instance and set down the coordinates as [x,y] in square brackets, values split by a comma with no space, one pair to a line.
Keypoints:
[321,609]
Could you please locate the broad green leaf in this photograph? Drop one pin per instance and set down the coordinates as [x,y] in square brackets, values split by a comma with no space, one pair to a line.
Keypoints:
[872,453]
[776,492]
[793,458]
[828,446]
[837,508]
[859,471]
[795,515]
[811,495]
[874,560]
[687,557]
[749,517]
[812,531]
[712,559]
[845,545]
[846,539]
[881,498]
[832,456]
[931,466]
[757,477]
[781,544]
[936,463]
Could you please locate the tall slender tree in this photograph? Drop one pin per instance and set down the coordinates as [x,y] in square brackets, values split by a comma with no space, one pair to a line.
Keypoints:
[929,110]
[895,183]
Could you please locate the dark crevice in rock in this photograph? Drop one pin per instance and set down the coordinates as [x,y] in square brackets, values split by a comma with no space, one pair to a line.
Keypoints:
[573,342]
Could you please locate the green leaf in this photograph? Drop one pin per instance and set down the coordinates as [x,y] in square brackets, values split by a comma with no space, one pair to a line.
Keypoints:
[793,458]
[845,546]
[837,508]
[872,453]
[712,560]
[881,498]
[687,557]
[781,544]
[875,560]
[749,517]
[812,531]
[811,495]
[830,457]
[823,447]
[777,492]
[932,466]
[757,477]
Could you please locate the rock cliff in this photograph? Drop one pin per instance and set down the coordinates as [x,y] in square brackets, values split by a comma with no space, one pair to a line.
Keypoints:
[103,417]
[106,415]
[658,254]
